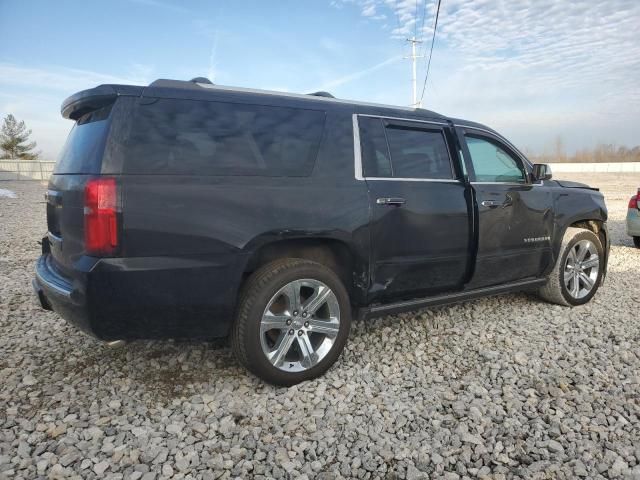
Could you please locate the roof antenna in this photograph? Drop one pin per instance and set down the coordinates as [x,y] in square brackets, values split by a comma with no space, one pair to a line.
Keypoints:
[201,80]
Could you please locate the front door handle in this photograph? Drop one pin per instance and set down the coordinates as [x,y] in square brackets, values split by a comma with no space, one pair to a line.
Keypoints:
[395,201]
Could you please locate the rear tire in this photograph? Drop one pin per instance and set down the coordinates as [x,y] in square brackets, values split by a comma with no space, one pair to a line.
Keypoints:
[577,275]
[280,334]
[636,241]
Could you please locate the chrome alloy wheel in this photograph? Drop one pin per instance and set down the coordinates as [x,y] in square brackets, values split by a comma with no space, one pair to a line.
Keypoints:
[300,325]
[581,269]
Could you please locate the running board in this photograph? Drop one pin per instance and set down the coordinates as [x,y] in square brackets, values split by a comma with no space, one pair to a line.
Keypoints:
[456,297]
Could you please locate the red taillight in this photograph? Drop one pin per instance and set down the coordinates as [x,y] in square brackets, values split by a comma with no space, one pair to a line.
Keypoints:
[633,203]
[100,216]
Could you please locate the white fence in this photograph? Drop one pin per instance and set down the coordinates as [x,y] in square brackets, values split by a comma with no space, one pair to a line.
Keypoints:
[40,170]
[609,167]
[25,170]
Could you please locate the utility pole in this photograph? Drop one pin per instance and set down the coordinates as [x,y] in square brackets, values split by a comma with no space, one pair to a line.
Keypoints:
[413,58]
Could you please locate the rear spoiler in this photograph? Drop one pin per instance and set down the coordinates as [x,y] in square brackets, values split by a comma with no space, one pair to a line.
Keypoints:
[86,101]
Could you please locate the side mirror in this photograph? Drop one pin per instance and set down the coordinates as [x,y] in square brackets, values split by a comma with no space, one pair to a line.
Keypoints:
[541,171]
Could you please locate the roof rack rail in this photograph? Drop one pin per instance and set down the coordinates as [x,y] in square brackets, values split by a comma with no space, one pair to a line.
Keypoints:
[321,94]
[201,80]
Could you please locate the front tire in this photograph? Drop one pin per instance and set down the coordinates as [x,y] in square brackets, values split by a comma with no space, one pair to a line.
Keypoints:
[292,321]
[636,241]
[577,275]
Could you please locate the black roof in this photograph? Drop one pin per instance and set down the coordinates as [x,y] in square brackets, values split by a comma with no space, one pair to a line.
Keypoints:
[86,100]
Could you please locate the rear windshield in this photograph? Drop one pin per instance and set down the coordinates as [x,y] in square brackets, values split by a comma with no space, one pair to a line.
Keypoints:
[83,151]
[186,137]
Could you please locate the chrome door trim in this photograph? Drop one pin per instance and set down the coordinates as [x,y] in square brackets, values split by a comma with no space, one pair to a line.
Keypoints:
[357,149]
[401,119]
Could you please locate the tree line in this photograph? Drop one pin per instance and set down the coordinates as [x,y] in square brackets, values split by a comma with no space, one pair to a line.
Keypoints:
[603,152]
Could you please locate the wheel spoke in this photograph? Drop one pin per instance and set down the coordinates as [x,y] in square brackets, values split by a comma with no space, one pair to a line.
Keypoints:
[568,274]
[583,248]
[328,327]
[292,292]
[283,346]
[571,258]
[308,357]
[575,290]
[586,280]
[592,261]
[271,321]
[318,298]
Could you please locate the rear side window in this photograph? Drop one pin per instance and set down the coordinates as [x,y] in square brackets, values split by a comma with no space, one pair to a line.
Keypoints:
[187,137]
[82,153]
[399,150]
[417,153]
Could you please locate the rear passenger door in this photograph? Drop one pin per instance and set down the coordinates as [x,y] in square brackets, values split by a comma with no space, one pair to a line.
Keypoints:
[419,216]
[515,218]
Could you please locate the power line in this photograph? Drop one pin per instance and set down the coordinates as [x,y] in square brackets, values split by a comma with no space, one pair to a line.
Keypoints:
[433,39]
[415,22]
[424,15]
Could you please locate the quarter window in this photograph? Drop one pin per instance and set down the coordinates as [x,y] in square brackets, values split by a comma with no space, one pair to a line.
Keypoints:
[186,137]
[492,163]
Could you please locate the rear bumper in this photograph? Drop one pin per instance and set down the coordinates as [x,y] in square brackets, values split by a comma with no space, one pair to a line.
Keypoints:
[149,297]
[55,292]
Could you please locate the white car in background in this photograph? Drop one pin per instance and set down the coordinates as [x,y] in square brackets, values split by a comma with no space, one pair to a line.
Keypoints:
[633,218]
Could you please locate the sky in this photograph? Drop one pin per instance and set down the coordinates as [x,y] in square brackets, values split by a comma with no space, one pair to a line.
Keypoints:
[532,69]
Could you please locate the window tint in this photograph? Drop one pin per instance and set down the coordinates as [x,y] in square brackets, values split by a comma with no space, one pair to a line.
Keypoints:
[214,138]
[82,152]
[492,163]
[418,153]
[375,153]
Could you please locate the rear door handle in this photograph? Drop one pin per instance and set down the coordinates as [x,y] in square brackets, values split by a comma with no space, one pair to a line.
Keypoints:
[395,201]
[494,204]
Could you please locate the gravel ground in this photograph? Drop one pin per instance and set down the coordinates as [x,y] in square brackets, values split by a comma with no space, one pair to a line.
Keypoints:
[505,387]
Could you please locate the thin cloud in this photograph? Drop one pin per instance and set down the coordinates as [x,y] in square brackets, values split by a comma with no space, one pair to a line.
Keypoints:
[548,59]
[63,79]
[163,5]
[356,75]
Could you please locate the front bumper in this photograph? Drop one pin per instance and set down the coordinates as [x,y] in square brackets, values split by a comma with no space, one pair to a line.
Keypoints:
[633,222]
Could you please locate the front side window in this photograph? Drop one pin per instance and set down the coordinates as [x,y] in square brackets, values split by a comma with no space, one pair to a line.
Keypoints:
[492,163]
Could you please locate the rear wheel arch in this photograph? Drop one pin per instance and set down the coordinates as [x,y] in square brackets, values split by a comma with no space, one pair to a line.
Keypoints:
[334,254]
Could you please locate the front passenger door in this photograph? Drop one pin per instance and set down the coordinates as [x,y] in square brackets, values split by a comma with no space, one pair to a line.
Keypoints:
[515,218]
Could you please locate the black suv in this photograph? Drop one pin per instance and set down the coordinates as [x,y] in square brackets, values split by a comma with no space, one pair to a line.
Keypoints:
[186,209]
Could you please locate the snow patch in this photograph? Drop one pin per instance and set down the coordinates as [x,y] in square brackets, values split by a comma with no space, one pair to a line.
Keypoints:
[7,193]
